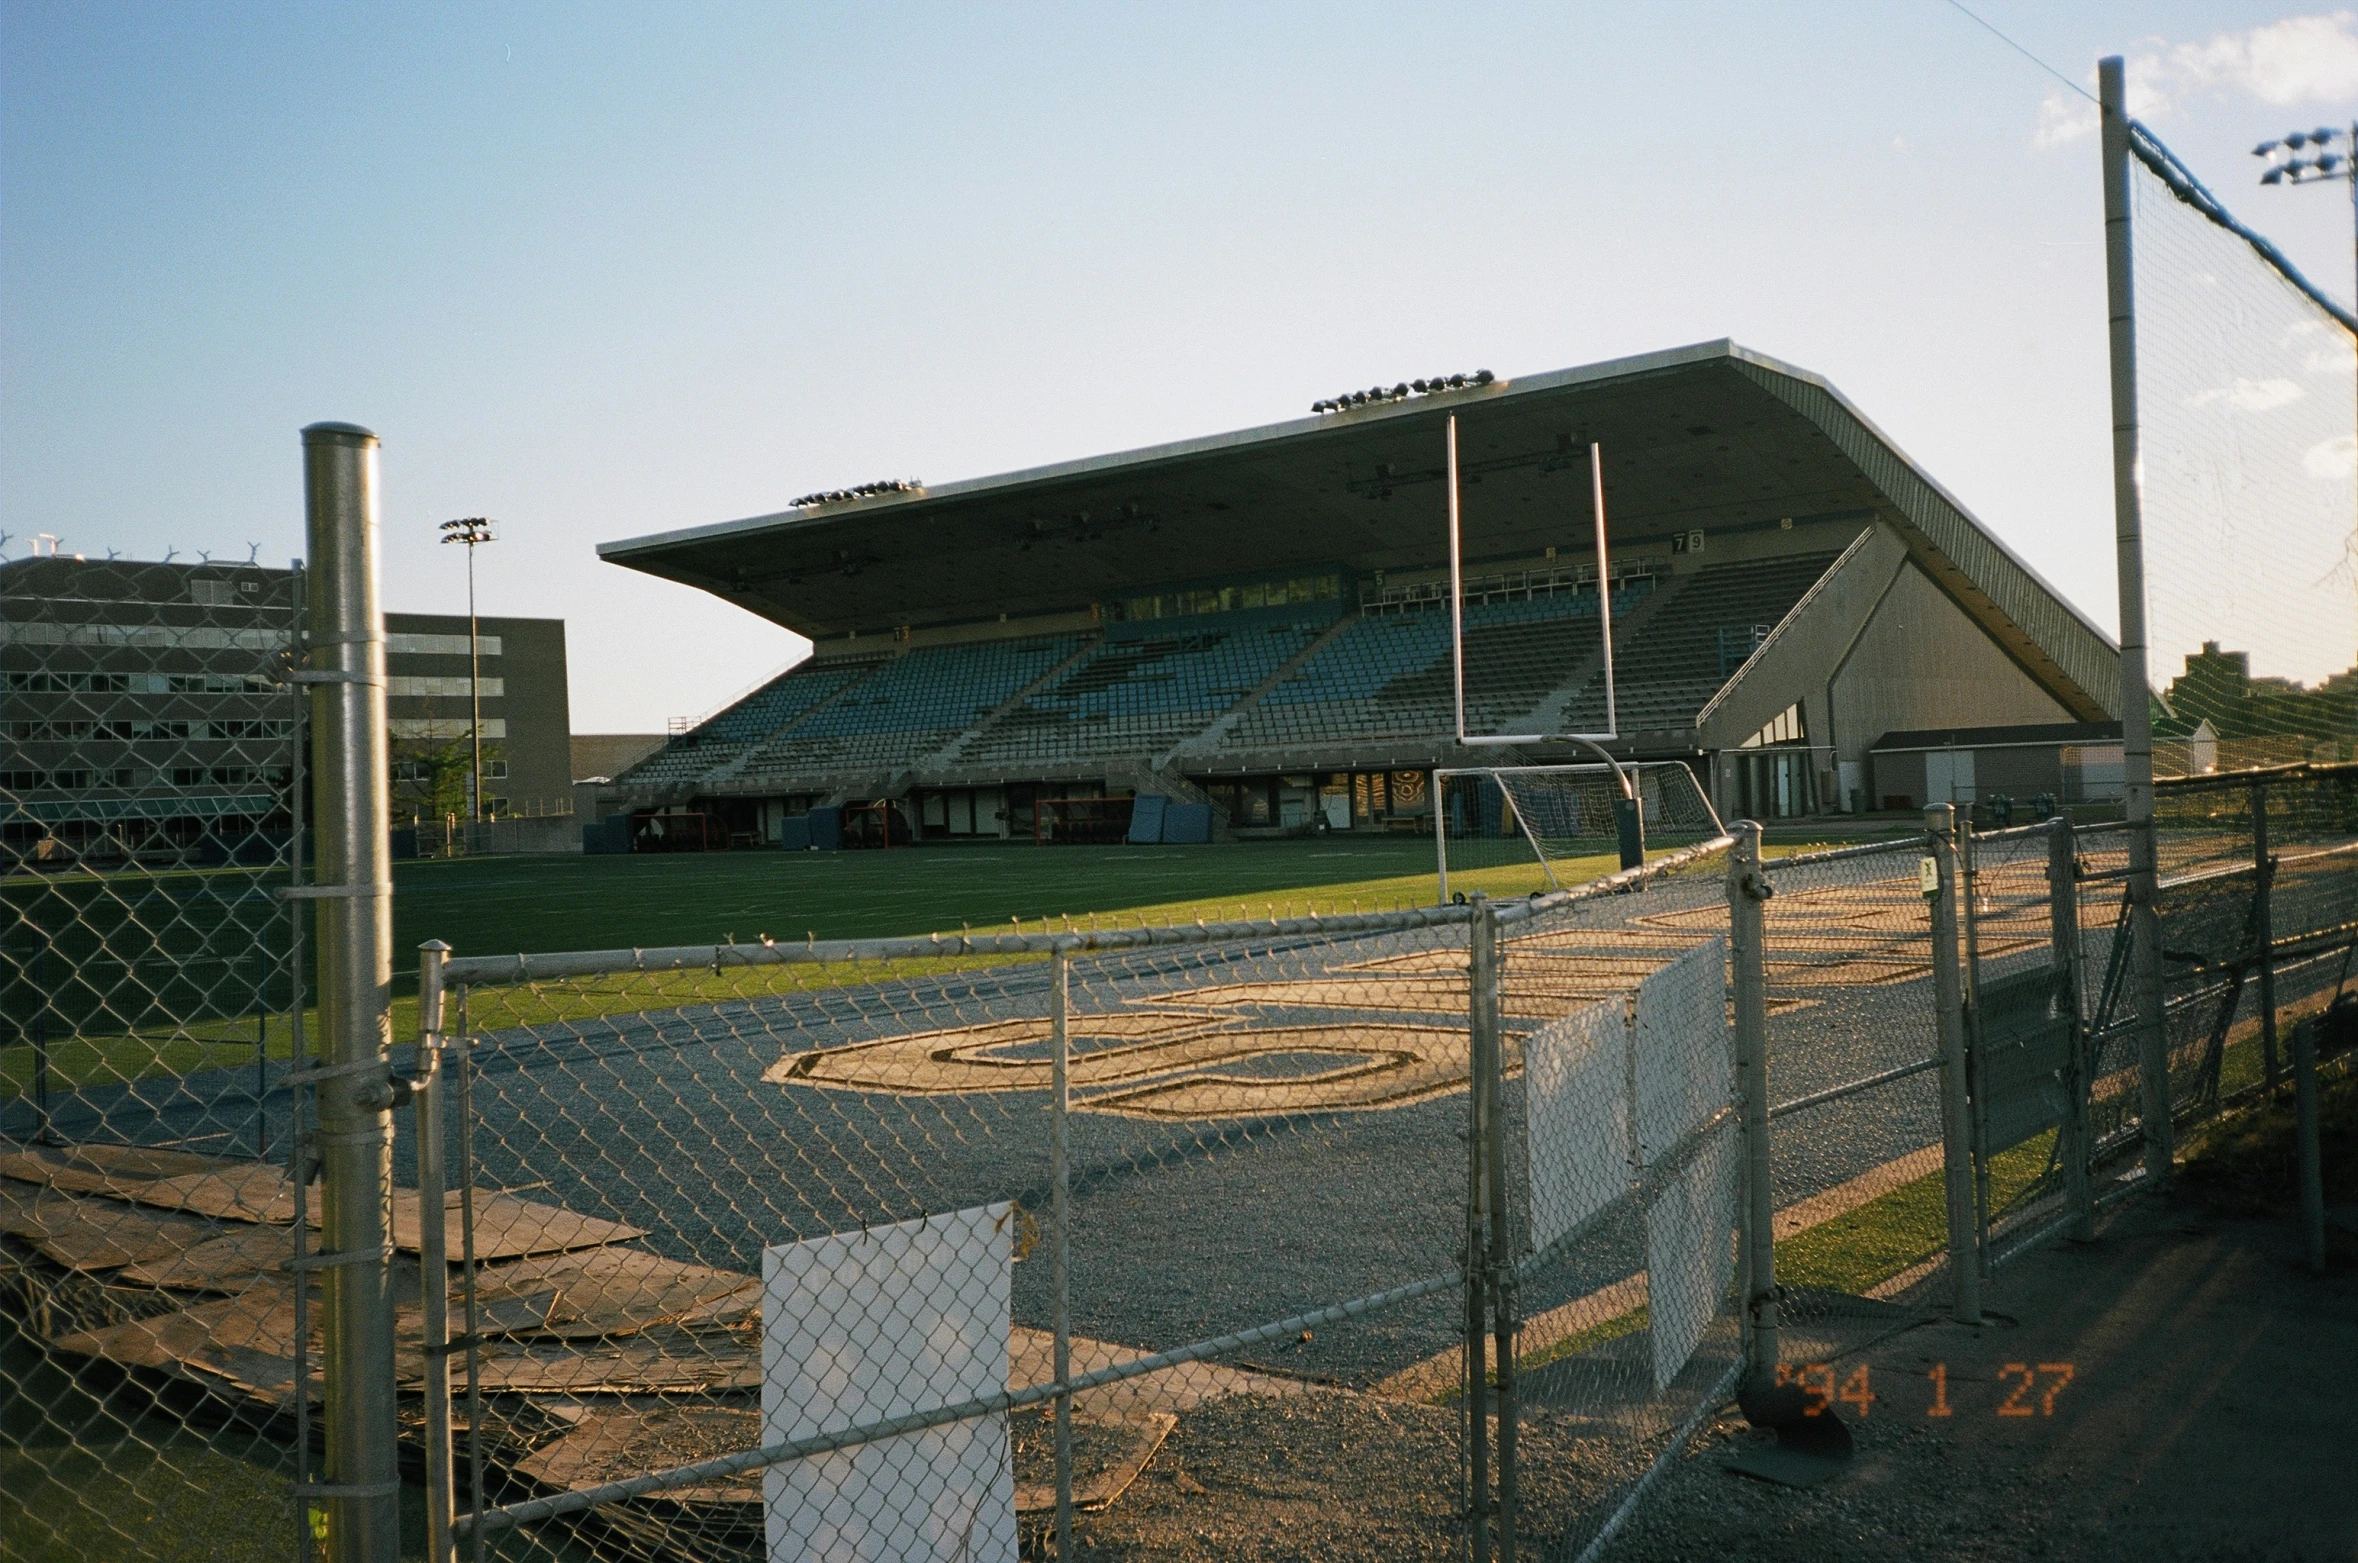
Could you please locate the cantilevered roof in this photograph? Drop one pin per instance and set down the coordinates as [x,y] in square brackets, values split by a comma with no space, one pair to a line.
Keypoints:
[1711,436]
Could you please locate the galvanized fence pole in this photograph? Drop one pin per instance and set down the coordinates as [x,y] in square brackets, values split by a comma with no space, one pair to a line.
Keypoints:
[2063,921]
[1748,887]
[1956,1121]
[354,892]
[1060,1256]
[2305,1130]
[1490,1071]
[2264,929]
[1976,1053]
[1477,1368]
[434,1253]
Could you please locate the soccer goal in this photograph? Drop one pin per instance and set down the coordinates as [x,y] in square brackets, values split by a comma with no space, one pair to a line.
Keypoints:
[1513,829]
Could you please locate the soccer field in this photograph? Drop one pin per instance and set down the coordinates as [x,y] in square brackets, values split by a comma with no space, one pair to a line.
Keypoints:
[498,905]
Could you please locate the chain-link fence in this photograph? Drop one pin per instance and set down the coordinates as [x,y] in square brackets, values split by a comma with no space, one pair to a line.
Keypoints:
[151,778]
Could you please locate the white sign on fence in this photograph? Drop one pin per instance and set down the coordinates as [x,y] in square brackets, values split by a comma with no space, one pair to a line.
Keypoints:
[1577,1126]
[863,1326]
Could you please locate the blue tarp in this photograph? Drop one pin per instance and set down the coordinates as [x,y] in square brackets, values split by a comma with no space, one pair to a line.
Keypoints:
[794,832]
[826,828]
[1146,819]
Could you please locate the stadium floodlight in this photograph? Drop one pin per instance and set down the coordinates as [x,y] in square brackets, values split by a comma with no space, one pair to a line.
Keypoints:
[472,532]
[1404,390]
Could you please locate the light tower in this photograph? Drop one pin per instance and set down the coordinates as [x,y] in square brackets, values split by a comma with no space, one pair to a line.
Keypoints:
[472,531]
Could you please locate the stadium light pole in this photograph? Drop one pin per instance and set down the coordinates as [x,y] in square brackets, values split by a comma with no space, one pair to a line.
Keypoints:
[472,531]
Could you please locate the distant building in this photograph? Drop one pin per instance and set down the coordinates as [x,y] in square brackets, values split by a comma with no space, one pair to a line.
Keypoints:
[2067,762]
[527,722]
[147,710]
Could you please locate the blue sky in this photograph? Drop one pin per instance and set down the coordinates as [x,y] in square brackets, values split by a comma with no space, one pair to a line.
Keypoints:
[600,270]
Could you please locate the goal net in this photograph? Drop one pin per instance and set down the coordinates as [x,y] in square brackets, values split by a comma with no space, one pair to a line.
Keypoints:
[1514,829]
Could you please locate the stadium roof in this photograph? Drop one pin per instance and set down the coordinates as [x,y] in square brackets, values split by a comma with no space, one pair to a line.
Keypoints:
[1712,436]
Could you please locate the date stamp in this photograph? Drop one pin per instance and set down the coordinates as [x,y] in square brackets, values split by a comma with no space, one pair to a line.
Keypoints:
[2023,1389]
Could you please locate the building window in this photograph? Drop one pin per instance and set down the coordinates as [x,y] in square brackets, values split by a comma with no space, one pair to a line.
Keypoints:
[1784,728]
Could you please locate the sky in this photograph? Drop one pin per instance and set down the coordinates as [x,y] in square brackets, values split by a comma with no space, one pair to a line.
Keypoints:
[599,270]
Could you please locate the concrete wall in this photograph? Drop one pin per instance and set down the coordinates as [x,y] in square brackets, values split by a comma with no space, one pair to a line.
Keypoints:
[1921,662]
[532,706]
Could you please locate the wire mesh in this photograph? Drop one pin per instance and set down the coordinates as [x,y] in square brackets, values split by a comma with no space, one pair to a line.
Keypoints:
[1625,1147]
[150,766]
[1856,1149]
[2247,404]
[1263,1123]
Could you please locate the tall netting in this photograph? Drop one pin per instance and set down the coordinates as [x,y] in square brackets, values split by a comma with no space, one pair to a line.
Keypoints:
[1513,829]
[150,765]
[2250,450]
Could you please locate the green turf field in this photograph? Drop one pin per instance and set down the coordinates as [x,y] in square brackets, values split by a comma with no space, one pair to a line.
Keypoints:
[502,905]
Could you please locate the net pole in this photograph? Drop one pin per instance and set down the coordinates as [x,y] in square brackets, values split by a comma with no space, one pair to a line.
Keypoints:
[1748,888]
[1596,497]
[2129,555]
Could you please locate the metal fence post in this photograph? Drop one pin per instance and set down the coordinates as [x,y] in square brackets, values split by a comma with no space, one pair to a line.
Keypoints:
[1489,1079]
[434,1254]
[2304,1064]
[1477,1368]
[1060,1256]
[2063,921]
[2264,928]
[1748,887]
[1956,1122]
[346,667]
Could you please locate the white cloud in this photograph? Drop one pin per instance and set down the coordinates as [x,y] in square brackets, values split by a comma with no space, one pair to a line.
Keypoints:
[2302,59]
[2249,395]
[2299,60]
[2334,458]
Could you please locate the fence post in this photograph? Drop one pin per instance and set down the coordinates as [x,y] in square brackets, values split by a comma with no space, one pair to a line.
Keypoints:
[434,1253]
[1489,1075]
[2304,1064]
[1956,1123]
[2264,926]
[1477,1370]
[1747,957]
[1060,1256]
[2063,921]
[354,891]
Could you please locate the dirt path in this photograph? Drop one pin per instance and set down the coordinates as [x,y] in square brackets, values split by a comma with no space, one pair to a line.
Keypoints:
[2207,1415]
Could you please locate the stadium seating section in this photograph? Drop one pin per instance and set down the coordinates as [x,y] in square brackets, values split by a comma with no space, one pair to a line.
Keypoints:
[1148,687]
[1152,685]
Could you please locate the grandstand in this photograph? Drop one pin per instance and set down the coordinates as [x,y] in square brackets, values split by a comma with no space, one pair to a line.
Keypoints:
[1260,620]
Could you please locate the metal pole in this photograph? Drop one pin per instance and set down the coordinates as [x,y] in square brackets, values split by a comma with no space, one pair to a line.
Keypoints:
[434,1254]
[1969,986]
[1457,590]
[1596,494]
[1440,832]
[1477,1242]
[2063,921]
[1060,1256]
[1747,956]
[2264,927]
[2304,1063]
[299,1161]
[2145,967]
[474,688]
[1490,1066]
[1956,1124]
[354,896]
